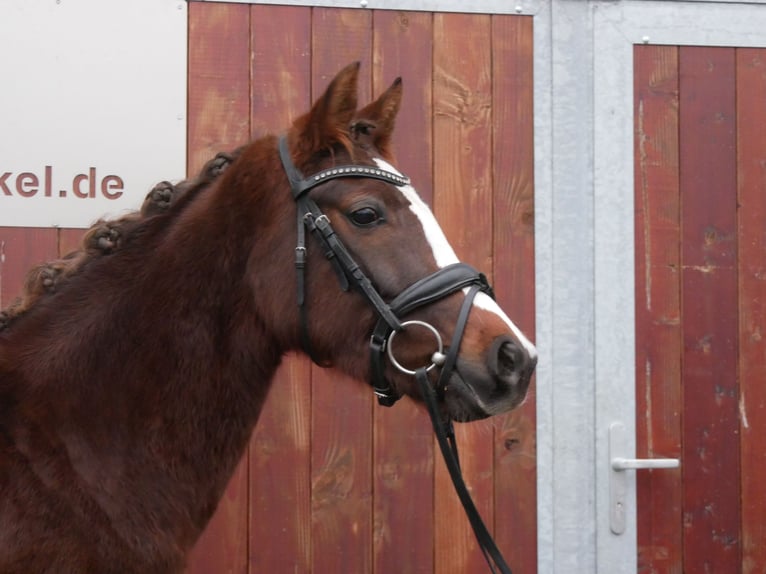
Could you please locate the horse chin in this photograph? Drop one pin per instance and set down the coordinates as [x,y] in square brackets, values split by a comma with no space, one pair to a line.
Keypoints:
[471,394]
[461,402]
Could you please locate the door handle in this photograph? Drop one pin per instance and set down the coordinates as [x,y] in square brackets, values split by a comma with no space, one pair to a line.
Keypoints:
[619,463]
[618,484]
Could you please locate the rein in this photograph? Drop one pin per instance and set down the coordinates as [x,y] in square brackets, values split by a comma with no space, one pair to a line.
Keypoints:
[445,436]
[434,287]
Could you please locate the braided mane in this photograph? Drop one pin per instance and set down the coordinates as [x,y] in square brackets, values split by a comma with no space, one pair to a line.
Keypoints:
[107,236]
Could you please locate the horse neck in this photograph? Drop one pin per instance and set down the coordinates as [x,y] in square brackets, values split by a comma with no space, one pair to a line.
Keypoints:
[164,359]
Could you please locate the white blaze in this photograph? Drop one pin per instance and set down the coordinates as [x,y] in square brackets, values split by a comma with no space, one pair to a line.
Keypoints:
[445,255]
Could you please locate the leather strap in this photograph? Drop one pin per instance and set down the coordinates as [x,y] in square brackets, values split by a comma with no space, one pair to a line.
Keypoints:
[437,286]
[300,185]
[449,453]
[457,337]
[445,436]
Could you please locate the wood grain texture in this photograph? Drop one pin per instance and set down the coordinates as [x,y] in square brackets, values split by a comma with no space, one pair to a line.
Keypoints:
[398,51]
[751,151]
[658,306]
[463,206]
[280,487]
[513,259]
[20,249]
[280,67]
[709,306]
[69,239]
[219,112]
[219,83]
[280,457]
[403,522]
[341,454]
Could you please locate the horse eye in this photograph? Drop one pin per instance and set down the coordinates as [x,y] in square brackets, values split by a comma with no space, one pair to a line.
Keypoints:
[364,216]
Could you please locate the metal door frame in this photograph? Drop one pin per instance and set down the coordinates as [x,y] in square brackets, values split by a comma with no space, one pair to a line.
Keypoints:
[617,28]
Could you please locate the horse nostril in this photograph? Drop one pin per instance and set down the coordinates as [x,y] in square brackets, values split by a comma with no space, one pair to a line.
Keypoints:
[509,362]
[509,359]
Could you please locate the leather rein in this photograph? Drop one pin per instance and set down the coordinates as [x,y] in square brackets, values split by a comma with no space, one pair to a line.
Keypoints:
[434,287]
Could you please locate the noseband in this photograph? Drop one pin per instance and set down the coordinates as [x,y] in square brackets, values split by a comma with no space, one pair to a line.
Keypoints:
[427,290]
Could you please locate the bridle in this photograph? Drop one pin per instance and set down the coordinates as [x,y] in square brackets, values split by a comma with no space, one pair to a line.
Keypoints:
[436,286]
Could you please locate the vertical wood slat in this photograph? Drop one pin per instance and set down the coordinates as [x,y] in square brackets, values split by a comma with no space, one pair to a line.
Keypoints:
[341,453]
[280,455]
[515,473]
[658,327]
[398,52]
[219,93]
[709,306]
[403,521]
[463,205]
[219,80]
[751,149]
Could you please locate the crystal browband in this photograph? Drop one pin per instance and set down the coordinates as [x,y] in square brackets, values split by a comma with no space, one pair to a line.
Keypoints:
[360,170]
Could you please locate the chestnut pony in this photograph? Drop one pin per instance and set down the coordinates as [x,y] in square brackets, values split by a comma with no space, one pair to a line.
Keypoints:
[130,382]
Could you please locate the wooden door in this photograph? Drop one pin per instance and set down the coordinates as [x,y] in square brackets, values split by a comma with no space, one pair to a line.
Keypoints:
[332,482]
[700,199]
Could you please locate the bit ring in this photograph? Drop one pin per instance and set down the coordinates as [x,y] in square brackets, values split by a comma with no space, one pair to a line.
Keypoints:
[437,358]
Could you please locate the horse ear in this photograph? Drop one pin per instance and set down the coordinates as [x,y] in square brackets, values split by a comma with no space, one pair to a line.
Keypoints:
[374,124]
[327,122]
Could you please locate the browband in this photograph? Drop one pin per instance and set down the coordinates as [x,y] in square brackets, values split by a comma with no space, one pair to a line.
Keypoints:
[300,185]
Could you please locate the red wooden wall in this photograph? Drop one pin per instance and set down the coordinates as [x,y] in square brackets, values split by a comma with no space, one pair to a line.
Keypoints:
[700,295]
[332,482]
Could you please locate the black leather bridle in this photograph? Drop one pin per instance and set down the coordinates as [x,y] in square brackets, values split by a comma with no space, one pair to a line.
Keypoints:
[434,287]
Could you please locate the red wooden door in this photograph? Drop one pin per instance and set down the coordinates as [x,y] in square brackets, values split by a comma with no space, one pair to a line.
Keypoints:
[333,483]
[700,159]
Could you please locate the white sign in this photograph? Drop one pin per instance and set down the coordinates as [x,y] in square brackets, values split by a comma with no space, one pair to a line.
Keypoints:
[92,107]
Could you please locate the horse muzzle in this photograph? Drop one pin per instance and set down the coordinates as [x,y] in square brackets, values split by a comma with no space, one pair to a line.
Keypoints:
[477,390]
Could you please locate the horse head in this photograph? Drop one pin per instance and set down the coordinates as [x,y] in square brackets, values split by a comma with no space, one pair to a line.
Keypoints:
[394,276]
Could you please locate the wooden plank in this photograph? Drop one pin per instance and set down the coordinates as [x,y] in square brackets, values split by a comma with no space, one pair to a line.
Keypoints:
[658,306]
[514,272]
[219,94]
[399,51]
[69,239]
[280,472]
[219,86]
[403,521]
[751,149]
[280,489]
[341,454]
[463,205]
[20,249]
[281,66]
[709,307]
